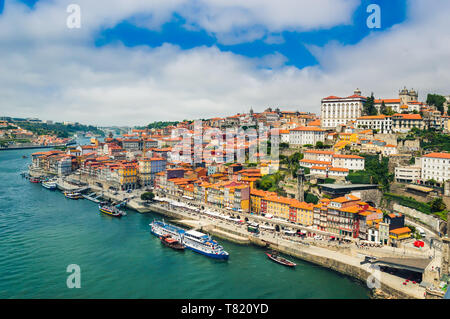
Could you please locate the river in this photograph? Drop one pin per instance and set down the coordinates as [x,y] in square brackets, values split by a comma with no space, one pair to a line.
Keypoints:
[42,232]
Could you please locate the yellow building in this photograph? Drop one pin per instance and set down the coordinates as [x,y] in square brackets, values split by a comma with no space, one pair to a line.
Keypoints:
[278,206]
[255,199]
[127,176]
[302,213]
[400,233]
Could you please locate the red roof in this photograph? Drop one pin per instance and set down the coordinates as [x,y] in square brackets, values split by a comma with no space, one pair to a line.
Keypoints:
[438,155]
[308,128]
[409,116]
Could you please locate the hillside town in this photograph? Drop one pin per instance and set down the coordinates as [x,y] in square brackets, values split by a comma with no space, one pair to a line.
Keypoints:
[369,172]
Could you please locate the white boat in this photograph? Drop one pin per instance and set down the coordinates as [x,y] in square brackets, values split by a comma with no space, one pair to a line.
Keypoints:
[192,239]
[203,244]
[49,184]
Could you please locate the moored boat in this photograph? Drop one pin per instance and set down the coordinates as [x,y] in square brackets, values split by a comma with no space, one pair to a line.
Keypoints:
[73,195]
[107,209]
[49,184]
[280,260]
[35,180]
[192,239]
[204,244]
[161,228]
[168,241]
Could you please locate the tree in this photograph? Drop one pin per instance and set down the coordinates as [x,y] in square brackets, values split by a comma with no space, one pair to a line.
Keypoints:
[147,196]
[369,107]
[320,145]
[437,205]
[284,145]
[437,100]
[311,198]
[383,108]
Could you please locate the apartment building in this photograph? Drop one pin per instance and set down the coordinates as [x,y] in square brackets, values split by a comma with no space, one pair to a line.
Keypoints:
[403,123]
[408,174]
[306,135]
[436,166]
[350,162]
[379,123]
[336,111]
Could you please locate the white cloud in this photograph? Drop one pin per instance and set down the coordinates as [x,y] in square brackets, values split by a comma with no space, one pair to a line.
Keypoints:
[64,77]
[234,21]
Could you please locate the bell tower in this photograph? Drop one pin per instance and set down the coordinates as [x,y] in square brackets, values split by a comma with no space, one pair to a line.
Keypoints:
[300,182]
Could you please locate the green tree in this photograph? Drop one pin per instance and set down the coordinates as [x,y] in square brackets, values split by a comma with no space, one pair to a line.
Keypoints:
[437,205]
[147,196]
[437,101]
[284,146]
[369,106]
[310,198]
[383,108]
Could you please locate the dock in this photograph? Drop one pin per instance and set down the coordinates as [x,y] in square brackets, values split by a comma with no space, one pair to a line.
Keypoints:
[93,197]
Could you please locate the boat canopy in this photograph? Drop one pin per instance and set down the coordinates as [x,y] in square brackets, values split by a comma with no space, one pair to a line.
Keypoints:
[195,233]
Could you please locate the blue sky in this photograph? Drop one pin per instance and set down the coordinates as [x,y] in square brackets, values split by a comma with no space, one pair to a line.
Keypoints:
[292,44]
[177,59]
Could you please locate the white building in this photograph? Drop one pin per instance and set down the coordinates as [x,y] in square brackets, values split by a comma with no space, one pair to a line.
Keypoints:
[389,149]
[436,166]
[381,123]
[403,123]
[306,135]
[317,155]
[408,174]
[329,171]
[337,111]
[284,136]
[393,104]
[350,162]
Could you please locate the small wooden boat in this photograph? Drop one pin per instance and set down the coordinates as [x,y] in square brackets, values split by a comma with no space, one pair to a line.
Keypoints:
[73,195]
[35,180]
[172,243]
[280,260]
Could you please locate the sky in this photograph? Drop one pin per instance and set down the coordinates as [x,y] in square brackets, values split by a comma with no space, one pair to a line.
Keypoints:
[133,62]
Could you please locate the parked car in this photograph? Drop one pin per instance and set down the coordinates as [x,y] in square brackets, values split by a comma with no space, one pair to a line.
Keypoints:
[419,243]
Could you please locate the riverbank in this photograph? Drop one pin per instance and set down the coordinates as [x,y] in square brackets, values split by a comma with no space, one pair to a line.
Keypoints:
[389,285]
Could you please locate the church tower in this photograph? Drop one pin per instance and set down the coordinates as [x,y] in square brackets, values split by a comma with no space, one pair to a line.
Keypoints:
[300,183]
[413,95]
[404,96]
